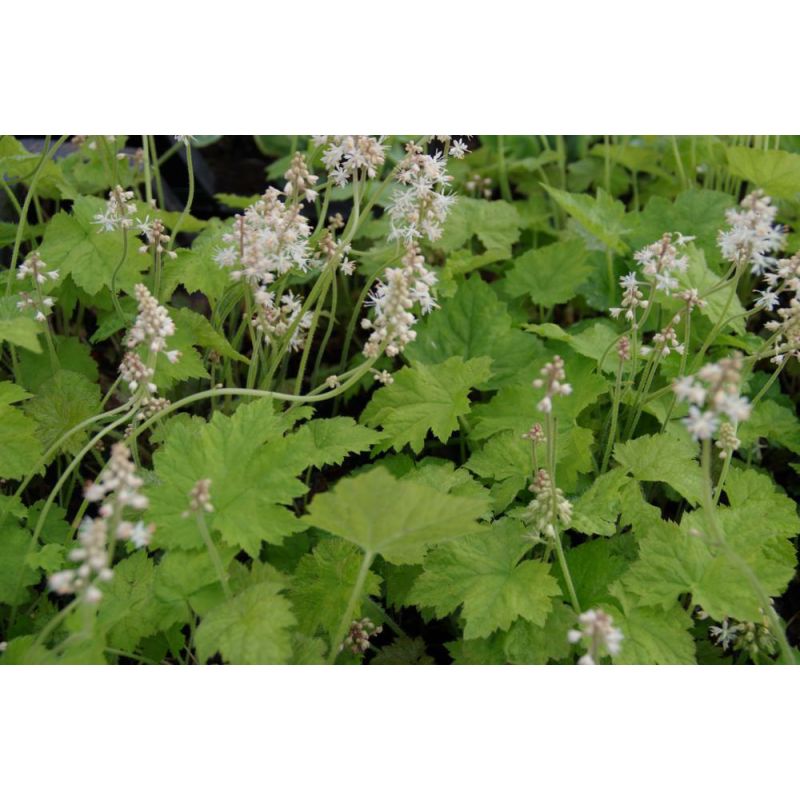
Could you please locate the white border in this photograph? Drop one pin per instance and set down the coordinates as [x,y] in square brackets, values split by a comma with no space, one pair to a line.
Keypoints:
[504,66]
[397,733]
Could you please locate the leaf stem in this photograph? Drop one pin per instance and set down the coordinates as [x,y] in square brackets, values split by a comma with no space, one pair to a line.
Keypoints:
[347,617]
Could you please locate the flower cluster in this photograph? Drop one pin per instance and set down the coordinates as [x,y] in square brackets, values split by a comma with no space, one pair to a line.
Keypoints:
[753,637]
[753,234]
[200,498]
[151,328]
[598,633]
[419,208]
[632,298]
[116,490]
[553,383]
[549,507]
[268,240]
[345,156]
[660,260]
[35,269]
[713,395]
[119,212]
[357,640]
[275,320]
[786,331]
[393,298]
[155,237]
[666,340]
[479,187]
[152,325]
[299,181]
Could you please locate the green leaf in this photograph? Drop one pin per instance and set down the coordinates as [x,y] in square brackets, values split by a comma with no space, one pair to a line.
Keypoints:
[695,212]
[550,275]
[483,572]
[595,339]
[527,643]
[322,585]
[513,408]
[496,223]
[328,441]
[17,165]
[11,393]
[251,628]
[15,572]
[252,473]
[129,610]
[652,635]
[775,171]
[635,158]
[506,460]
[20,450]
[196,269]
[757,525]
[597,510]
[73,355]
[403,651]
[16,328]
[602,218]
[594,566]
[425,397]
[699,276]
[74,245]
[203,334]
[664,457]
[774,422]
[61,403]
[407,519]
[474,323]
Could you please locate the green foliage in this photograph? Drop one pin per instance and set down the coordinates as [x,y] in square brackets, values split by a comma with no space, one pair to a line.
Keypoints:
[74,246]
[550,275]
[472,324]
[666,458]
[602,219]
[775,171]
[252,466]
[322,583]
[251,628]
[61,403]
[483,572]
[411,518]
[424,398]
[297,502]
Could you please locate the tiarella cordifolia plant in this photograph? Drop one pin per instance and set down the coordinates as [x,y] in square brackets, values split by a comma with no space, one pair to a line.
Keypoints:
[415,399]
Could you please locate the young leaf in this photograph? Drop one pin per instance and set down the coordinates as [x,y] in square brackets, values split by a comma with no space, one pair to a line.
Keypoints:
[20,451]
[664,457]
[603,218]
[74,245]
[425,398]
[322,584]
[251,628]
[242,455]
[471,324]
[483,572]
[16,328]
[61,403]
[408,519]
[551,274]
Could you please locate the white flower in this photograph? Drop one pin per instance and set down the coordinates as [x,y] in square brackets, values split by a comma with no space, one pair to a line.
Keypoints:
[458,149]
[701,424]
[599,634]
[753,234]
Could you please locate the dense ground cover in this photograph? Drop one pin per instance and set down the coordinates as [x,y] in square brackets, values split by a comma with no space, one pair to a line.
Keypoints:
[400,400]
